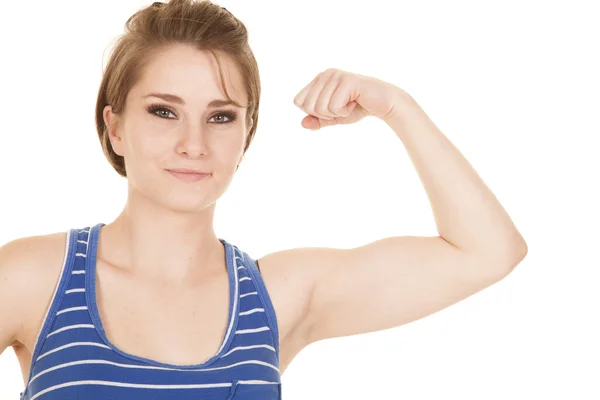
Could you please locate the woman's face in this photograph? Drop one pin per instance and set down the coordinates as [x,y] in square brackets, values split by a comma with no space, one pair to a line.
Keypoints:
[157,132]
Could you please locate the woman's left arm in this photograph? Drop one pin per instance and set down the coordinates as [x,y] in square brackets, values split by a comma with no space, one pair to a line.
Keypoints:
[467,214]
[395,280]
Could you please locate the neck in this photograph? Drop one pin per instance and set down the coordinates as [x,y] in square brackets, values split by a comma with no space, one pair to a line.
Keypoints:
[162,245]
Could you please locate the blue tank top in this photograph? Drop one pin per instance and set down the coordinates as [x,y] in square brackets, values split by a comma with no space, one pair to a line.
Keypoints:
[73,359]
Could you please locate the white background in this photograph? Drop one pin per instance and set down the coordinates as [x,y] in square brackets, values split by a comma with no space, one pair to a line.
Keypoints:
[513,84]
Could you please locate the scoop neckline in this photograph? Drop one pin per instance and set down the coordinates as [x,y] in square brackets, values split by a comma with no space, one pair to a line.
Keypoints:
[90,293]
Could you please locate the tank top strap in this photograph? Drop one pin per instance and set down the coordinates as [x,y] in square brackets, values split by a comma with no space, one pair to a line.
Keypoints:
[243,260]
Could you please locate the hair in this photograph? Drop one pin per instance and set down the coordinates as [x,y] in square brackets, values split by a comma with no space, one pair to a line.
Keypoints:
[201,24]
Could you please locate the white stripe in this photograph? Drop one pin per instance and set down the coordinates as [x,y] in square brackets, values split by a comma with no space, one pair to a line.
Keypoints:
[71,345]
[247,294]
[241,267]
[254,310]
[131,385]
[134,366]
[257,382]
[266,346]
[70,327]
[264,328]
[75,290]
[72,309]
[82,241]
[80,254]
[259,362]
[245,279]
[235,302]
[78,271]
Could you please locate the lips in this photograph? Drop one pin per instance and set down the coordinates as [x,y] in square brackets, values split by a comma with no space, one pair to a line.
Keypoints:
[189,176]
[187,171]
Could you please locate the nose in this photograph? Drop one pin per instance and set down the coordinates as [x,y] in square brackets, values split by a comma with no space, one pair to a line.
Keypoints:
[194,142]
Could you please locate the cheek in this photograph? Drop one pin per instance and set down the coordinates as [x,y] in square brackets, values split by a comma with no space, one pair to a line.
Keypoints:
[232,154]
[225,147]
[148,143]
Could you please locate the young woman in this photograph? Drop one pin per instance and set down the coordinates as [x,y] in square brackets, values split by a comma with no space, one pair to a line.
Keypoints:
[154,305]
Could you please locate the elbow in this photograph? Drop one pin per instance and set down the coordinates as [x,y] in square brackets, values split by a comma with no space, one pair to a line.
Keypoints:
[506,260]
[516,255]
[522,251]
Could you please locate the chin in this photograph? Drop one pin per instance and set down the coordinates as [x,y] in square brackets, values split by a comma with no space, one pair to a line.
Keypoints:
[188,207]
[186,200]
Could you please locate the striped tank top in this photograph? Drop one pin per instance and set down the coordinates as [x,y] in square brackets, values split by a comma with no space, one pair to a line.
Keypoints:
[73,359]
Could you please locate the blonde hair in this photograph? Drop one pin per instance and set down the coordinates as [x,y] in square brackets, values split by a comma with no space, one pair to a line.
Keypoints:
[201,24]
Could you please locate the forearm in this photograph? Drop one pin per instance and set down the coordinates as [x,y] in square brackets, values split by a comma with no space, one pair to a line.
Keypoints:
[466,212]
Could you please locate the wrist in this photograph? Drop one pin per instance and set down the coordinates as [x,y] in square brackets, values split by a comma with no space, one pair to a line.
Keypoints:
[401,102]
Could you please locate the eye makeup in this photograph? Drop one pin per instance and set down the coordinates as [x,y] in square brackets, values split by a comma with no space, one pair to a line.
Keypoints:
[154,108]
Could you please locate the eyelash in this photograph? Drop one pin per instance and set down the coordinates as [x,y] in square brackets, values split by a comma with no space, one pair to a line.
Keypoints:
[153,108]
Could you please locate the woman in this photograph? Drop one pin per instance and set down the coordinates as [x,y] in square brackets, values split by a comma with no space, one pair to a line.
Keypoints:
[154,305]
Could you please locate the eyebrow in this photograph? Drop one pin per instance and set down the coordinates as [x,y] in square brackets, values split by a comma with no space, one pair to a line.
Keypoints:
[178,100]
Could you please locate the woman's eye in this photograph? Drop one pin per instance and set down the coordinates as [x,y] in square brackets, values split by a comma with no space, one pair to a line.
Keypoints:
[216,117]
[220,118]
[230,117]
[155,111]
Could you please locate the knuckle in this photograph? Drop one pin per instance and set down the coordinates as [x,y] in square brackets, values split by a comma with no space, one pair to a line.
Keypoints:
[324,109]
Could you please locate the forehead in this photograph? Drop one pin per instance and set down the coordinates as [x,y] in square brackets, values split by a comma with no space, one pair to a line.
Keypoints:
[191,74]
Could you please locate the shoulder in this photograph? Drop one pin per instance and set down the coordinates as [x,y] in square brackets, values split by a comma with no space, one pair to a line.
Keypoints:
[29,271]
[290,277]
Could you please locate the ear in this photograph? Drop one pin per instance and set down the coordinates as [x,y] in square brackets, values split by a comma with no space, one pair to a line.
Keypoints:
[112,124]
